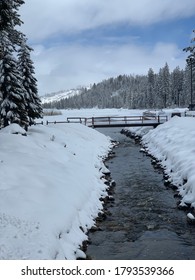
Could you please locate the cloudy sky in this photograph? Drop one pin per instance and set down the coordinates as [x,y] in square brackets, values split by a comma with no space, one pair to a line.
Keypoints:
[79,42]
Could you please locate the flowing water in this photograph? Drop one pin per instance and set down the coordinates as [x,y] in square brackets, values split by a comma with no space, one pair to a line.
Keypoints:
[144,221]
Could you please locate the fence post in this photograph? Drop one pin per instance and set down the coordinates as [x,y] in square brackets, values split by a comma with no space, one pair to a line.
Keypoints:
[92,122]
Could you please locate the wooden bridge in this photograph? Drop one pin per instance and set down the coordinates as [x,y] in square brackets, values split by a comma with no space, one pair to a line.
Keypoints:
[126,121]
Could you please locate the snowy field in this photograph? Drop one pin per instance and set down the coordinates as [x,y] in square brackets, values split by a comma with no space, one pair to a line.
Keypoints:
[50,180]
[104,112]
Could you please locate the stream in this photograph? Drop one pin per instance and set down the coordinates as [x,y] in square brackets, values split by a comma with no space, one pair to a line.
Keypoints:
[144,221]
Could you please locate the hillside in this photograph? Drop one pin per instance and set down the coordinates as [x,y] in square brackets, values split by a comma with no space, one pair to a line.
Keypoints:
[154,90]
[57,96]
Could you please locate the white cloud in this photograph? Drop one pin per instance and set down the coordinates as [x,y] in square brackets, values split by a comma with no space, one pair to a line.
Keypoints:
[47,18]
[66,67]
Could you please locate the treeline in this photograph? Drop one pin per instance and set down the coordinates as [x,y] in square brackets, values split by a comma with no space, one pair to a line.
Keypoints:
[154,90]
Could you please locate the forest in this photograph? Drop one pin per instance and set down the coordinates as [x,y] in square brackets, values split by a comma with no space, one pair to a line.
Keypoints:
[155,90]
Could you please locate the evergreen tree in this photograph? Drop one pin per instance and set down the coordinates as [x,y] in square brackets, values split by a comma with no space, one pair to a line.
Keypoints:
[150,88]
[164,86]
[177,77]
[191,48]
[12,92]
[9,18]
[12,108]
[191,63]
[18,91]
[26,68]
[186,88]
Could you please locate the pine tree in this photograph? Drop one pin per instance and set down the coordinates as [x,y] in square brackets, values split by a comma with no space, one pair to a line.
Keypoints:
[150,88]
[18,90]
[191,48]
[177,77]
[9,18]
[164,86]
[186,90]
[191,63]
[12,108]
[12,92]
[26,68]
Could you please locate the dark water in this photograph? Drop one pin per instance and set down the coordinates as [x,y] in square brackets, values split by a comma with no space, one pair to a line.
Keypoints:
[144,221]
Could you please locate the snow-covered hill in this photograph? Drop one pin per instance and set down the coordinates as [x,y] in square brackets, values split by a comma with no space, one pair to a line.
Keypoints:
[57,96]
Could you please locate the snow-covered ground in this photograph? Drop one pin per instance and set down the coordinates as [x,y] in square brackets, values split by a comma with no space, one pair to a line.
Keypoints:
[50,189]
[51,180]
[173,145]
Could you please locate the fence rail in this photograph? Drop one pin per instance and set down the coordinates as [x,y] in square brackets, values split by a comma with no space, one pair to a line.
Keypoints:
[114,121]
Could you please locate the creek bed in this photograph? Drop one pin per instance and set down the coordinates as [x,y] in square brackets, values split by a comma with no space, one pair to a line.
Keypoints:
[144,221]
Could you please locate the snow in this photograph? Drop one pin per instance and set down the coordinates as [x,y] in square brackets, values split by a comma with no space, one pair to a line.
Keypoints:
[92,113]
[190,216]
[59,95]
[50,189]
[172,143]
[14,128]
[51,180]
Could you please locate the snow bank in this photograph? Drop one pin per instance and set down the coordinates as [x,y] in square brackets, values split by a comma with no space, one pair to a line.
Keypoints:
[50,189]
[173,143]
